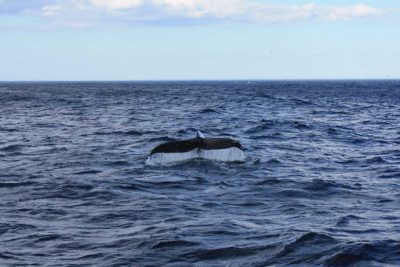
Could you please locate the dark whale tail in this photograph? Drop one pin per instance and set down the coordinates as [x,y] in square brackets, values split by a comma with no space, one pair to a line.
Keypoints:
[220,149]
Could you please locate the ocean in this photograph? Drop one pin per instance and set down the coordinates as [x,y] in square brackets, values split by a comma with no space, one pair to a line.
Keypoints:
[319,186]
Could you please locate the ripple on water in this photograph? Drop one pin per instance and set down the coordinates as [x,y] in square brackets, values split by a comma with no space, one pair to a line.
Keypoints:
[375,253]
[318,188]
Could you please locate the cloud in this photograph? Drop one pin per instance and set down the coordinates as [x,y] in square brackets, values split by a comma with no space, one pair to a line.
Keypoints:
[79,12]
[50,10]
[204,8]
[18,6]
[349,12]
[117,4]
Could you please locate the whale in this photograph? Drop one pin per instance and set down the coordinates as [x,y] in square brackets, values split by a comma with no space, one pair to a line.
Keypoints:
[217,149]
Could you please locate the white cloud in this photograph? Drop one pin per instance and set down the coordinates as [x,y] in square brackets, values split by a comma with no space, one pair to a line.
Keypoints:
[288,13]
[198,11]
[116,4]
[50,10]
[204,8]
[349,12]
[241,10]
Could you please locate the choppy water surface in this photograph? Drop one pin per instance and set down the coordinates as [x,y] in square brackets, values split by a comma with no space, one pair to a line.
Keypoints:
[320,185]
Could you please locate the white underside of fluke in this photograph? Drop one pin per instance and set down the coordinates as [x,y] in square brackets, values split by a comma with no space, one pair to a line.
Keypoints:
[225,155]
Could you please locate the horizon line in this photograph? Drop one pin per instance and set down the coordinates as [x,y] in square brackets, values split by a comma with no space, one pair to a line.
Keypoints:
[203,80]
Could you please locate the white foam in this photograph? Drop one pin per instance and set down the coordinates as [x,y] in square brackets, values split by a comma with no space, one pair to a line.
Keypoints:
[225,155]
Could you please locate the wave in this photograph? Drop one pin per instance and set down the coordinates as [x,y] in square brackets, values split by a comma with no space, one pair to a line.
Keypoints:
[87,172]
[223,253]
[175,243]
[264,125]
[302,102]
[160,139]
[312,237]
[208,110]
[358,141]
[375,160]
[279,125]
[130,132]
[8,130]
[276,136]
[6,255]
[332,131]
[376,253]
[12,148]
[346,220]
[190,130]
[307,250]
[274,162]
[16,184]
[326,186]
[318,186]
[390,173]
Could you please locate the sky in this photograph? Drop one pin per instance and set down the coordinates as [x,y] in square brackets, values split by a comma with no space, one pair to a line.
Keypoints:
[90,40]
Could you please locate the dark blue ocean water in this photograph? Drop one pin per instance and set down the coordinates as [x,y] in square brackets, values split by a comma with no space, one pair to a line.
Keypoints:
[320,185]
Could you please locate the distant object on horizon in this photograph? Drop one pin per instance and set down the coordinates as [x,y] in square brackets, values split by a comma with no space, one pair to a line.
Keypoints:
[219,149]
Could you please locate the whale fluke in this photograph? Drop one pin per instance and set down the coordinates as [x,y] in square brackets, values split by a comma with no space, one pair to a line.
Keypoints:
[219,149]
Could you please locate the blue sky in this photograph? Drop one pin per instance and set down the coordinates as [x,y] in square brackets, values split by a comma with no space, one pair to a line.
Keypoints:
[198,39]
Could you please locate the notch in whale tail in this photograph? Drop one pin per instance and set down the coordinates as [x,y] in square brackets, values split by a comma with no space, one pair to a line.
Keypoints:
[218,149]
[200,135]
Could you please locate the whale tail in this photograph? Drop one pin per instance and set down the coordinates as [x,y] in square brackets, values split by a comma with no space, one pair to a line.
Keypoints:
[219,149]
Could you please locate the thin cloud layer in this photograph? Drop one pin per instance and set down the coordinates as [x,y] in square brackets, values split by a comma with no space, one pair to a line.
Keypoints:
[117,4]
[92,12]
